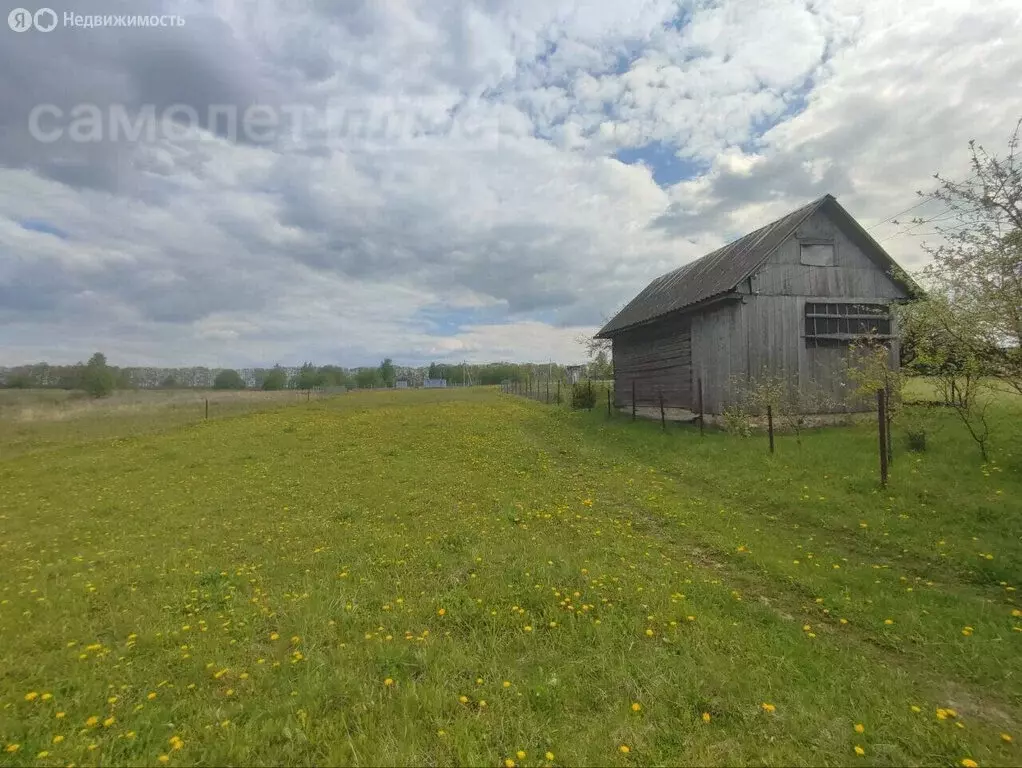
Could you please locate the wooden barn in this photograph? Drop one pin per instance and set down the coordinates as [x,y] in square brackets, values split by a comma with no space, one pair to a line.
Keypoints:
[787,298]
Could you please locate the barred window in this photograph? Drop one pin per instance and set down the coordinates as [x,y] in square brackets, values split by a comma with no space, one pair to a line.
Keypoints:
[846,321]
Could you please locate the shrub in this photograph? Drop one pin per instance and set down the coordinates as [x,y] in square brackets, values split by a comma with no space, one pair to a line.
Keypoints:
[737,421]
[915,436]
[583,396]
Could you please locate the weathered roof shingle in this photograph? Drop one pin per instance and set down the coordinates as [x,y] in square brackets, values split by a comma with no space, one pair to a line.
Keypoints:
[714,274]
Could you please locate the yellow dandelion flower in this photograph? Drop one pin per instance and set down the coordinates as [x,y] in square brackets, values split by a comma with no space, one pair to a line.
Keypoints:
[109,721]
[888,622]
[479,681]
[1006,738]
[151,695]
[31,696]
[274,636]
[507,683]
[92,721]
[860,728]
[520,754]
[388,682]
[42,755]
[624,749]
[46,696]
[441,612]
[12,748]
[549,756]
[914,708]
[57,739]
[767,707]
[509,763]
[706,717]
[528,628]
[649,633]
[969,763]
[463,699]
[60,715]
[636,706]
[859,750]
[164,758]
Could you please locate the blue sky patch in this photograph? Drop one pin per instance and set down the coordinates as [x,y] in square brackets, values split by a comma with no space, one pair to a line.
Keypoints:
[667,167]
[38,225]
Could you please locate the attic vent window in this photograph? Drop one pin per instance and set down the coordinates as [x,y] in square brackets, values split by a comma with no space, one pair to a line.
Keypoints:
[845,322]
[818,254]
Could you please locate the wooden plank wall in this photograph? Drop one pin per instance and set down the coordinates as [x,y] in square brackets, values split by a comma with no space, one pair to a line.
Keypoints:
[658,358]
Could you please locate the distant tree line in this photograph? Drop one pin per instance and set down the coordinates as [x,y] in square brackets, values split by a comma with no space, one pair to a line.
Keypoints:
[99,378]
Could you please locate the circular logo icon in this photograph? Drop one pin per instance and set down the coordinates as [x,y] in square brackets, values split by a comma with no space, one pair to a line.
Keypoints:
[20,20]
[45,19]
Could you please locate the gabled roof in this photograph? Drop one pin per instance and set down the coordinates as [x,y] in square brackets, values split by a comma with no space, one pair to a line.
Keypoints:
[721,271]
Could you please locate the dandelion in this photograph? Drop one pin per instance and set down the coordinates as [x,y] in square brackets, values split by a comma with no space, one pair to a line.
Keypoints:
[57,739]
[624,749]
[388,682]
[151,696]
[549,756]
[274,636]
[649,633]
[60,715]
[441,612]
[706,717]
[507,683]
[92,722]
[31,696]
[12,748]
[479,681]
[164,758]
[636,706]
[528,628]
[1006,738]
[46,696]
[463,699]
[520,754]
[42,755]
[860,728]
[509,763]
[109,721]
[914,708]
[482,703]
[859,750]
[888,622]
[767,707]
[969,763]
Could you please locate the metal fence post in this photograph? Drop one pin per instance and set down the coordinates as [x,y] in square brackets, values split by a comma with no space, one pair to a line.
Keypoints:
[663,418]
[770,426]
[702,416]
[633,399]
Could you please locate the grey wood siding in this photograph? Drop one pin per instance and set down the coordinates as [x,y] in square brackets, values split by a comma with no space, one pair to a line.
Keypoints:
[854,274]
[658,359]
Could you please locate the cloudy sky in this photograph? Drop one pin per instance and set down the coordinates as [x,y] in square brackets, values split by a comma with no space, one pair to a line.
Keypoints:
[450,180]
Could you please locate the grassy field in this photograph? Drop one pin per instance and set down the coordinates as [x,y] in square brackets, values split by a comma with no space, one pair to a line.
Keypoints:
[465,577]
[37,418]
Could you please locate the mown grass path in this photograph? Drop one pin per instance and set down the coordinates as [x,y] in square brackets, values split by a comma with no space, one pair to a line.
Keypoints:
[460,577]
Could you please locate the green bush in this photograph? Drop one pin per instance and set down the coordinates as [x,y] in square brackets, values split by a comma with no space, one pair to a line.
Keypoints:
[583,396]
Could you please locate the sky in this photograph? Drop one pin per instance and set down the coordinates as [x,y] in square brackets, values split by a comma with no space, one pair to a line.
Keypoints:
[251,182]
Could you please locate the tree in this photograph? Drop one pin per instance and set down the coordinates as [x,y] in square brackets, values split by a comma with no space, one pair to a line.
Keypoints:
[434,371]
[98,378]
[169,382]
[276,379]
[368,377]
[308,377]
[228,379]
[387,373]
[974,282]
[601,368]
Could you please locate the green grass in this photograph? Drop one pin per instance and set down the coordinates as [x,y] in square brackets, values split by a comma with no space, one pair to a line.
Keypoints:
[266,575]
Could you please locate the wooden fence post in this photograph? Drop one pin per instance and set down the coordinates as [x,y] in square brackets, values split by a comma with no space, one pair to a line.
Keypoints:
[770,426]
[702,417]
[633,399]
[591,400]
[558,391]
[207,407]
[882,429]
[663,418]
[608,402]
[548,391]
[890,417]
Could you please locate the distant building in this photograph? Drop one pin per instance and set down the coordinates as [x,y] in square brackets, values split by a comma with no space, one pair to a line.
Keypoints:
[434,383]
[401,384]
[575,373]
